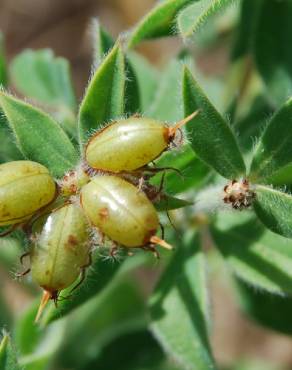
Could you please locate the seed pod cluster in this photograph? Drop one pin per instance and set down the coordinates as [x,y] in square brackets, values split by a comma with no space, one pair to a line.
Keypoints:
[100,198]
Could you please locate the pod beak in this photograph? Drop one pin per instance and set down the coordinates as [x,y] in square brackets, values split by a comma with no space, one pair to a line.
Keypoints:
[172,130]
[45,299]
[156,240]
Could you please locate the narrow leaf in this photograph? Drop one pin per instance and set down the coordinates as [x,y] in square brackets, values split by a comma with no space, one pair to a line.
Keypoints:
[274,209]
[104,97]
[271,311]
[192,18]
[102,41]
[273,58]
[8,148]
[256,256]
[160,21]
[182,294]
[8,360]
[38,136]
[210,135]
[245,31]
[274,149]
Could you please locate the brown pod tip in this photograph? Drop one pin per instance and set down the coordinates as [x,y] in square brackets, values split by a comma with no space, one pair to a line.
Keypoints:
[156,240]
[172,130]
[44,301]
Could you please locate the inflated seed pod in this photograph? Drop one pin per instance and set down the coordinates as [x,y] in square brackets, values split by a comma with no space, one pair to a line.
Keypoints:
[129,144]
[120,211]
[25,187]
[60,251]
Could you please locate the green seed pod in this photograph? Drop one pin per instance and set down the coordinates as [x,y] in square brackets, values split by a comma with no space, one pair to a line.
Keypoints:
[60,252]
[25,187]
[120,211]
[129,144]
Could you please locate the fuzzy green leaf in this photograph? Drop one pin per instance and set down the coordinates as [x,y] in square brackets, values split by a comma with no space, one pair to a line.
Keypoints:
[8,360]
[8,148]
[102,41]
[273,153]
[3,68]
[273,312]
[105,94]
[272,55]
[274,209]
[210,135]
[256,256]
[182,295]
[160,21]
[192,19]
[42,76]
[38,136]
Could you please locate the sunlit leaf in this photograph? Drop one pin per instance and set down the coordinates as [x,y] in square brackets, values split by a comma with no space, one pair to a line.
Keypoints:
[274,209]
[257,256]
[191,19]
[38,136]
[160,21]
[210,135]
[271,311]
[182,293]
[104,97]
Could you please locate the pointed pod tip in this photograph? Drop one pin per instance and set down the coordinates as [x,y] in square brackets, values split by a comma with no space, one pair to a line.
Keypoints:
[156,240]
[172,130]
[44,301]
